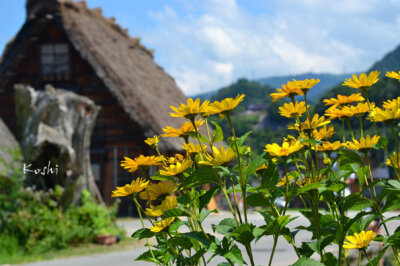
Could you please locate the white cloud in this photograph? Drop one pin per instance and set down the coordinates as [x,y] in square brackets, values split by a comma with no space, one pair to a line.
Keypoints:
[220,41]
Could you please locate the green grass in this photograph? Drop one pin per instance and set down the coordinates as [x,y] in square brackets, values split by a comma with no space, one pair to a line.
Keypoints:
[85,249]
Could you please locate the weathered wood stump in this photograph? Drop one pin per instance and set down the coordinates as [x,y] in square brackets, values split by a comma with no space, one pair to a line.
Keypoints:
[8,143]
[55,127]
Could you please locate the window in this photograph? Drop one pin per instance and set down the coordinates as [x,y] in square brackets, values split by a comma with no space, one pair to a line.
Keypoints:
[54,59]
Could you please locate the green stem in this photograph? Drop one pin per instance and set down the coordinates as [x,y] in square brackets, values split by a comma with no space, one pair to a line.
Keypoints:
[305,101]
[198,138]
[250,253]
[241,177]
[276,236]
[144,227]
[208,133]
[366,254]
[361,126]
[350,128]
[395,140]
[370,174]
[344,137]
[359,258]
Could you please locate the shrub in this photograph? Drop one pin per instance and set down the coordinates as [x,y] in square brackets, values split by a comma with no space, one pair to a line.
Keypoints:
[33,222]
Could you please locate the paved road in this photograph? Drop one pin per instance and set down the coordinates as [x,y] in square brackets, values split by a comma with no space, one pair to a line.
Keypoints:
[284,254]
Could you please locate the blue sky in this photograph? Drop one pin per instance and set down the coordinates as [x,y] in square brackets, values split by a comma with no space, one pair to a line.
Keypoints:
[208,44]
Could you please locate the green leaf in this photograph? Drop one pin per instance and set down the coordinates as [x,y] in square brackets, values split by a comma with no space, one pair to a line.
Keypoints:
[202,175]
[307,262]
[235,255]
[204,213]
[394,183]
[218,134]
[354,200]
[256,199]
[257,162]
[175,212]
[180,241]
[205,199]
[243,138]
[194,135]
[375,261]
[244,233]
[382,143]
[158,176]
[360,175]
[225,227]
[318,246]
[176,224]
[199,236]
[308,187]
[142,233]
[394,240]
[147,256]
[348,156]
[358,216]
[330,259]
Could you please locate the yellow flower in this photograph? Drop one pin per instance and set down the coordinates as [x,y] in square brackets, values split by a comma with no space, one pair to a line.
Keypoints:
[287,90]
[324,133]
[363,82]
[344,100]
[329,146]
[142,161]
[156,190]
[225,106]
[304,85]
[167,204]
[191,110]
[176,169]
[364,145]
[153,142]
[193,148]
[159,226]
[358,241]
[393,75]
[339,113]
[262,167]
[220,156]
[387,115]
[136,186]
[393,103]
[310,124]
[177,158]
[359,110]
[186,128]
[309,180]
[284,151]
[283,181]
[293,110]
[395,158]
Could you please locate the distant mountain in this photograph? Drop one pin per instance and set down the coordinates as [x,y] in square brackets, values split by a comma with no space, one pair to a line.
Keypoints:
[327,81]
[390,62]
[205,95]
[386,88]
[254,91]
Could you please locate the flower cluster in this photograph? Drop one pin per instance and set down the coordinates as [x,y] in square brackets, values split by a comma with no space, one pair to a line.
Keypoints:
[310,166]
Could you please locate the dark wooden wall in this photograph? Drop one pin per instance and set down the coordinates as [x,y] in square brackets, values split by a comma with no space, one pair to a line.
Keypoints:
[113,128]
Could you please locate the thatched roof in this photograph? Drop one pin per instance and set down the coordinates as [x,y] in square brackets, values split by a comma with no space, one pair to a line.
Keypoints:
[144,89]
[7,143]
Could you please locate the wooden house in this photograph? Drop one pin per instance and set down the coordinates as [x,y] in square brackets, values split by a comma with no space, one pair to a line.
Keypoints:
[73,47]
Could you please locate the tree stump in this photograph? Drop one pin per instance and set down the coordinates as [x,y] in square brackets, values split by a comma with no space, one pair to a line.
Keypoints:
[55,127]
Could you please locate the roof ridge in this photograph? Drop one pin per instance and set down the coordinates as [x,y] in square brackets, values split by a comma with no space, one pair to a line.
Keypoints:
[98,11]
